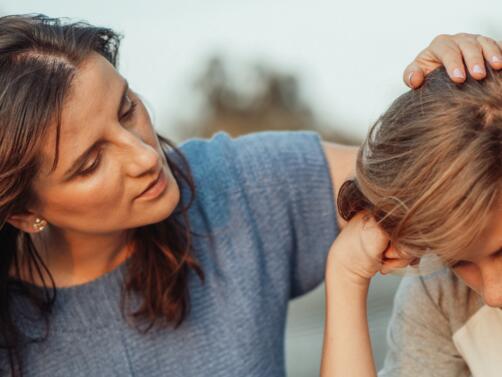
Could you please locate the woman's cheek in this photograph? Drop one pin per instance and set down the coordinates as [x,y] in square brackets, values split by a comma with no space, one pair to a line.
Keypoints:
[104,186]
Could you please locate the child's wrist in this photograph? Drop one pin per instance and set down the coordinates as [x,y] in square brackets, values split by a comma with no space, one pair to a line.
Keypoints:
[341,276]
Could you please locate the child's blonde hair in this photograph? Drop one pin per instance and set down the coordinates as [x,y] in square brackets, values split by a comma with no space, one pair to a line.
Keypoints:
[431,166]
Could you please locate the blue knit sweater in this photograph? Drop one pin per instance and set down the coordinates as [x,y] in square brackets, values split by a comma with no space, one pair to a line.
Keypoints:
[268,200]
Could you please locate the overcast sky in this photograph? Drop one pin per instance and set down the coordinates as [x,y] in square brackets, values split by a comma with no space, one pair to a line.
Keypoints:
[348,55]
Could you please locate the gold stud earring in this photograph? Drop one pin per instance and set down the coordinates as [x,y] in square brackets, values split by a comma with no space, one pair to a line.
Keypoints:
[39,224]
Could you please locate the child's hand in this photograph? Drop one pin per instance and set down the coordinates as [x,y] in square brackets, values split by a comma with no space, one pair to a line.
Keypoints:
[362,249]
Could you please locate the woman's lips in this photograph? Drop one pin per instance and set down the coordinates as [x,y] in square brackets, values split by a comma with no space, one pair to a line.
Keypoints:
[157,187]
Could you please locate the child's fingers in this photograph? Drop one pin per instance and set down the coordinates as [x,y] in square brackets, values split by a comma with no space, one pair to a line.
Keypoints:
[392,264]
[392,253]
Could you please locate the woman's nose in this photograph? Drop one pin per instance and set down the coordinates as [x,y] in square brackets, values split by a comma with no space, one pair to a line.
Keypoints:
[142,157]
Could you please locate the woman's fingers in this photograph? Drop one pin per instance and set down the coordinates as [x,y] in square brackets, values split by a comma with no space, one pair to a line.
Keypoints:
[455,53]
[445,51]
[413,75]
[492,52]
[473,56]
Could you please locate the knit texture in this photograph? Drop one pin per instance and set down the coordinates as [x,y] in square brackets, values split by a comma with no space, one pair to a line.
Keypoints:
[267,198]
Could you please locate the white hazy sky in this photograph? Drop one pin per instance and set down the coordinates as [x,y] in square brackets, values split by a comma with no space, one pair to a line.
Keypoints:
[348,55]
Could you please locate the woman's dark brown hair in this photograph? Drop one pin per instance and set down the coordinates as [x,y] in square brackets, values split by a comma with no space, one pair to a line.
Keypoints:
[39,57]
[430,169]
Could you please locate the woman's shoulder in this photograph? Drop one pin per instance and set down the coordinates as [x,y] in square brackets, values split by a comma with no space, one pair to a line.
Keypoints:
[209,159]
[266,157]
[224,166]
[261,141]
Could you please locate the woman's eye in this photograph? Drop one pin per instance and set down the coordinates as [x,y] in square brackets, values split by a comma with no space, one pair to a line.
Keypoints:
[91,168]
[130,112]
[460,263]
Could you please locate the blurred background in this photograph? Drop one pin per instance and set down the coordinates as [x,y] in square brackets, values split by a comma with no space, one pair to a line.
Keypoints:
[245,66]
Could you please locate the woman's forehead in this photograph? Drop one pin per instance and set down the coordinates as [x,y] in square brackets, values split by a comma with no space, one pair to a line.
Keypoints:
[89,105]
[93,91]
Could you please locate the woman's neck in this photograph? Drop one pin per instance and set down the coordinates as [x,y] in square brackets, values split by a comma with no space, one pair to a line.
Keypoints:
[77,258]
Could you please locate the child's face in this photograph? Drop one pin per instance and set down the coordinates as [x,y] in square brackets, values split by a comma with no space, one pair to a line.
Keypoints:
[480,267]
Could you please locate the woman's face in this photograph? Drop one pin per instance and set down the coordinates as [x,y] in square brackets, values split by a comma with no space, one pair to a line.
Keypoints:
[99,193]
[480,267]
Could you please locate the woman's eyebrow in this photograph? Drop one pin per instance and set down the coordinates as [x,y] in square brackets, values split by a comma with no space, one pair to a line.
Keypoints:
[495,252]
[123,97]
[82,158]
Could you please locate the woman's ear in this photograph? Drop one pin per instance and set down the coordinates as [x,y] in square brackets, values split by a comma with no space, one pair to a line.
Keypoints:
[28,222]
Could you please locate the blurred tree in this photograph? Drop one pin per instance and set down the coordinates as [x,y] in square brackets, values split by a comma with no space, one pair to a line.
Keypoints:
[269,100]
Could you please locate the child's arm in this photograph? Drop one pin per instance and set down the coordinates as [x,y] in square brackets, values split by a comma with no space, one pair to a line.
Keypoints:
[354,258]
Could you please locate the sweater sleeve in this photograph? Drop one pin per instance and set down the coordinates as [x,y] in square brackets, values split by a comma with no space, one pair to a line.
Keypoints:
[274,191]
[419,336]
[290,171]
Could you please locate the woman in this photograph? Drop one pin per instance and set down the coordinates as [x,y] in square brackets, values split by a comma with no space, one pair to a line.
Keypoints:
[111,234]
[427,181]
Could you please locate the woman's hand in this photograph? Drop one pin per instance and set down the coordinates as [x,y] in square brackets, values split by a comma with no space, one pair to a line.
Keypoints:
[362,249]
[451,51]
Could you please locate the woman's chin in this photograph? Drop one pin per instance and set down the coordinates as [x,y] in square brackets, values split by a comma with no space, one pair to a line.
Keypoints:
[161,207]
